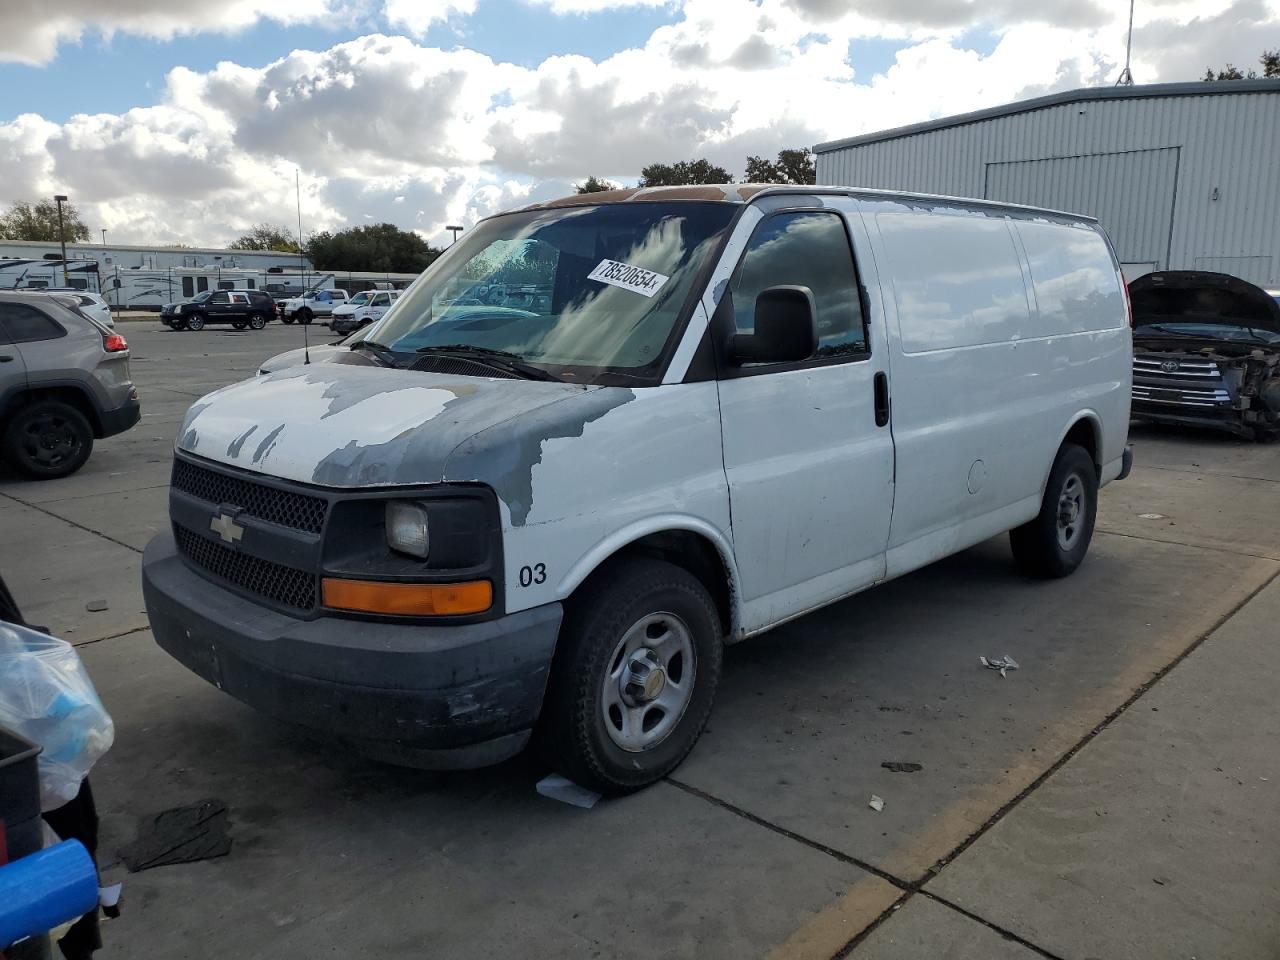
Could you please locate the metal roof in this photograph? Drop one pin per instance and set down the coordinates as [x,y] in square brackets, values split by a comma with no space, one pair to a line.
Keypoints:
[1147,91]
[155,248]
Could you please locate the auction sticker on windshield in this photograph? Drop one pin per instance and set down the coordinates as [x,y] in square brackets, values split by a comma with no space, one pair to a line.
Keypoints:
[636,279]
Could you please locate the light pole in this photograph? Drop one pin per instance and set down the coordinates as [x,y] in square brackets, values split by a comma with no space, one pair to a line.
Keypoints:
[455,231]
[104,236]
[62,238]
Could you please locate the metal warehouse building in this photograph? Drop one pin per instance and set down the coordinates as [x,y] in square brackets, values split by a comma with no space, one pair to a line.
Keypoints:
[1182,175]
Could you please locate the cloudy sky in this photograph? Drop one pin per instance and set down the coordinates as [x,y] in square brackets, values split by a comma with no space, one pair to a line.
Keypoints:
[184,120]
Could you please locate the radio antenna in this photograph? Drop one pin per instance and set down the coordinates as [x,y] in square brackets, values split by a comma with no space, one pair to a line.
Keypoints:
[1126,76]
[302,265]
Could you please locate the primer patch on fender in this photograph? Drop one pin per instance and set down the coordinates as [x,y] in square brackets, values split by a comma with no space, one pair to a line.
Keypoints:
[636,279]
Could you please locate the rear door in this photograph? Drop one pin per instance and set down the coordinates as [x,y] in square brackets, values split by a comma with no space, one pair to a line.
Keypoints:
[13,371]
[807,453]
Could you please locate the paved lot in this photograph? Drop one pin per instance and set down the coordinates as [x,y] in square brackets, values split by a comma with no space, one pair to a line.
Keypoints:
[1116,797]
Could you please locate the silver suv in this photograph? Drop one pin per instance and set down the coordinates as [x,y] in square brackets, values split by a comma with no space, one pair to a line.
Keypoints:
[64,381]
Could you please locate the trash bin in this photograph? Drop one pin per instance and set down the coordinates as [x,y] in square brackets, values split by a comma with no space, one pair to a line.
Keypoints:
[21,829]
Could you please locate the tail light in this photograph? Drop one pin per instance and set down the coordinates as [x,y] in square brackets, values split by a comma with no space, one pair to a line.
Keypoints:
[114,343]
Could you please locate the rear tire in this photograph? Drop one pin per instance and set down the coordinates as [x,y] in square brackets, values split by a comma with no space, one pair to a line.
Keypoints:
[195,322]
[1056,541]
[48,439]
[257,321]
[634,675]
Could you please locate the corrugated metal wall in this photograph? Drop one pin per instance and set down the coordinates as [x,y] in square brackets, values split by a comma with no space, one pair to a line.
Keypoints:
[1204,170]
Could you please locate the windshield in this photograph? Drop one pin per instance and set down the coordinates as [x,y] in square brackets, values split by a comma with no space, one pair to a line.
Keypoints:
[361,298]
[202,297]
[1206,331]
[584,291]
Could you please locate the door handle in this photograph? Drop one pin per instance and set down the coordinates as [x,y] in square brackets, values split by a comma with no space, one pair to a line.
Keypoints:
[882,399]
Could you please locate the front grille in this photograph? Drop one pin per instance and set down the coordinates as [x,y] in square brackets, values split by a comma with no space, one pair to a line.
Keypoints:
[296,510]
[1185,370]
[1181,396]
[283,585]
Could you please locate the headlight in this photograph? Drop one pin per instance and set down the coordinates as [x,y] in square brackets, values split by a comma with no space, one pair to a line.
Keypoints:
[407,532]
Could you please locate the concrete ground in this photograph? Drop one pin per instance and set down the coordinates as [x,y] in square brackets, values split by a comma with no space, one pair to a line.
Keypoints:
[1115,797]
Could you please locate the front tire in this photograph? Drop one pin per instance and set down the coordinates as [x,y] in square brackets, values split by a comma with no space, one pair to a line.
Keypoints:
[286,318]
[195,322]
[1056,541]
[634,676]
[48,439]
[304,316]
[239,325]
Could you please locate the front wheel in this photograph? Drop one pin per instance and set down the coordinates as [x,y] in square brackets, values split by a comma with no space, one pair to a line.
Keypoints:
[48,439]
[257,321]
[239,324]
[195,322]
[1055,542]
[304,316]
[634,677]
[287,318]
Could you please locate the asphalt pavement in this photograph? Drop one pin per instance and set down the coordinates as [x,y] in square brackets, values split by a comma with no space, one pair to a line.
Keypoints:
[1114,797]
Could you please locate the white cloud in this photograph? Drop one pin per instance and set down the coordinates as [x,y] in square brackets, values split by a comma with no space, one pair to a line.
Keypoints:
[417,15]
[383,127]
[32,30]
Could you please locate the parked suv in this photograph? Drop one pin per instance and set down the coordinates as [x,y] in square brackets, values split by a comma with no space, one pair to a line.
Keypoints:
[92,305]
[362,312]
[240,308]
[317,303]
[64,381]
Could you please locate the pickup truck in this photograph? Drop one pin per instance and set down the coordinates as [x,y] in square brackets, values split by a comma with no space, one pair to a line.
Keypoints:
[317,303]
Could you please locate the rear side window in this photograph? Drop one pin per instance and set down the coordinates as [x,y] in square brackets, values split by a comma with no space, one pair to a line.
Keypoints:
[957,280]
[809,249]
[1073,278]
[26,324]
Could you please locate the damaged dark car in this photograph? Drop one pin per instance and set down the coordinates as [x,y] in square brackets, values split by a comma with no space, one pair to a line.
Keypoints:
[1206,353]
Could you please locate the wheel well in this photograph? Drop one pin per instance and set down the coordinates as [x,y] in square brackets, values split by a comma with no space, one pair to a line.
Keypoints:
[696,554]
[1084,433]
[69,395]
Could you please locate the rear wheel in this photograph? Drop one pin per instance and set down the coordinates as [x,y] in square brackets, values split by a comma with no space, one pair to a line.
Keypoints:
[195,321]
[635,675]
[48,439]
[1056,541]
[257,321]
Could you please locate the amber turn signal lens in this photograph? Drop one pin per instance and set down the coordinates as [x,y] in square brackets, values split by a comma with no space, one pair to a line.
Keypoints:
[408,599]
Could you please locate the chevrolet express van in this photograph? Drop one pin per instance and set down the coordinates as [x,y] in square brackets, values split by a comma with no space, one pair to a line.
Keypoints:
[725,407]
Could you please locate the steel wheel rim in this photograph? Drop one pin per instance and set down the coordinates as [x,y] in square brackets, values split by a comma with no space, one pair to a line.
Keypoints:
[50,440]
[649,682]
[1071,511]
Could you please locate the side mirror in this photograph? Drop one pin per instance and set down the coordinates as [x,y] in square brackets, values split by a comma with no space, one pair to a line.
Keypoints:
[785,328]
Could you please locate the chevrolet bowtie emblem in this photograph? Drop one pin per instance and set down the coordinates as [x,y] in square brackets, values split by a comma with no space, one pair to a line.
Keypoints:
[225,526]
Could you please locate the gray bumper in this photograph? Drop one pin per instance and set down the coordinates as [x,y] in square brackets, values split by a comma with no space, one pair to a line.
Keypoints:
[443,696]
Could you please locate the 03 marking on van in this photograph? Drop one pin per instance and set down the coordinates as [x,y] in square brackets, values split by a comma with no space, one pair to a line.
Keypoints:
[534,574]
[628,277]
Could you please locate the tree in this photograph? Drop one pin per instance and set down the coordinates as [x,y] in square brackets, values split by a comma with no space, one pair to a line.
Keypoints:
[1270,61]
[380,247]
[683,172]
[792,166]
[266,236]
[594,185]
[39,221]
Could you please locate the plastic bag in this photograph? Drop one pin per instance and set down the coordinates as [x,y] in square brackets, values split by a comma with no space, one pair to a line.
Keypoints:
[47,697]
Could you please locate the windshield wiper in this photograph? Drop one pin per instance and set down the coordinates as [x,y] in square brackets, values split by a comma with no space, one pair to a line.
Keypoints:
[385,354]
[498,359]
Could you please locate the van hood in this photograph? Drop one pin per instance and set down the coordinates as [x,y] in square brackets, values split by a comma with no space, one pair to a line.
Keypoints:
[341,425]
[1195,296]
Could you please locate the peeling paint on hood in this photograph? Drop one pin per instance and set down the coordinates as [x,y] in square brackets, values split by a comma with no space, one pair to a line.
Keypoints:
[356,426]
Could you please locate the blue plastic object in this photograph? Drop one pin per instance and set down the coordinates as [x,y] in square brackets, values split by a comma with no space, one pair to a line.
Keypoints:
[47,888]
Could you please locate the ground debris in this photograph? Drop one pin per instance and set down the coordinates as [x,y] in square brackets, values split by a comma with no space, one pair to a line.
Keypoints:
[180,835]
[566,791]
[97,606]
[1002,664]
[899,766]
[876,803]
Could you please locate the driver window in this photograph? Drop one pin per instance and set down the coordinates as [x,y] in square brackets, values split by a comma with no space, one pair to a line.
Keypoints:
[218,298]
[810,249]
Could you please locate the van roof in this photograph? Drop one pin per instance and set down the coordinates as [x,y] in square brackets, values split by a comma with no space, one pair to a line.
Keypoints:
[746,192]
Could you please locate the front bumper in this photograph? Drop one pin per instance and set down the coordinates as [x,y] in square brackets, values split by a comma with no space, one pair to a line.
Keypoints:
[1221,417]
[437,696]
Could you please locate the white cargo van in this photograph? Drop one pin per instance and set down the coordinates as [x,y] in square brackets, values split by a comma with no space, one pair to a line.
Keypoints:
[723,407]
